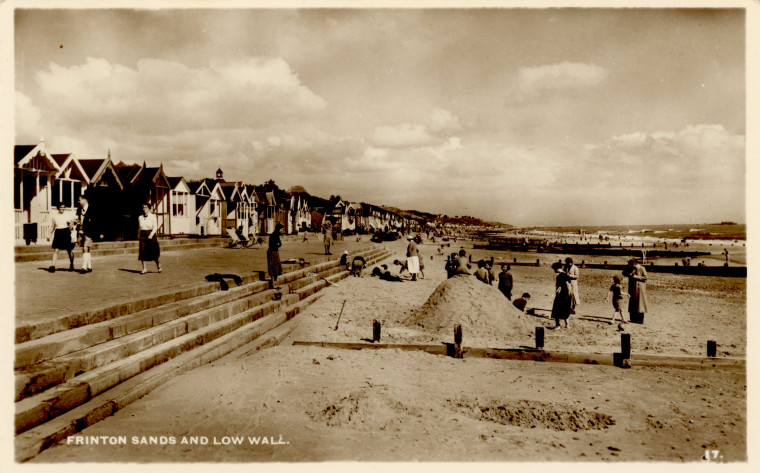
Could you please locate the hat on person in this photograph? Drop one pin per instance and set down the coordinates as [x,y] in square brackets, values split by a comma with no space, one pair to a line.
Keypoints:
[410,237]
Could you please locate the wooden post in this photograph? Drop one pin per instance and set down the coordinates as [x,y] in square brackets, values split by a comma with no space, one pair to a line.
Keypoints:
[625,345]
[492,261]
[712,348]
[539,337]
[375,331]
[623,359]
[538,262]
[457,341]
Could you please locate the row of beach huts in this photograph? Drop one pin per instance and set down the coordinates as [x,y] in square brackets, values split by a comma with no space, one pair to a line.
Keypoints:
[205,207]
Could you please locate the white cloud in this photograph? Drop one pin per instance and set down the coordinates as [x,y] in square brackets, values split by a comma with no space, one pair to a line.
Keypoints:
[403,136]
[28,120]
[274,141]
[443,122]
[164,97]
[440,124]
[561,76]
[697,153]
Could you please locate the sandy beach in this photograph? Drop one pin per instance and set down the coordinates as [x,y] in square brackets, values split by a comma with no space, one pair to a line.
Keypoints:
[328,404]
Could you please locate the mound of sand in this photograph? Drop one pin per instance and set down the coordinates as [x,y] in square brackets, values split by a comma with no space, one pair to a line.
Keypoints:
[481,309]
[532,414]
[365,409]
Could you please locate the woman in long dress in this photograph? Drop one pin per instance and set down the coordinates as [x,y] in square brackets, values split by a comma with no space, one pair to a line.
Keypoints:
[274,267]
[637,289]
[564,303]
[148,249]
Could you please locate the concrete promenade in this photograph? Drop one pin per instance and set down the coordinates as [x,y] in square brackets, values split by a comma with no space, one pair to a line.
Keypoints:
[40,295]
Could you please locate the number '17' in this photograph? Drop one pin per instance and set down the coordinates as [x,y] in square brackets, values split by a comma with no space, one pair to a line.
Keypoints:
[712,455]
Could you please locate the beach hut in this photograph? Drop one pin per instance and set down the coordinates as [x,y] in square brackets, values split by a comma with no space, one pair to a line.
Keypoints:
[106,195]
[33,171]
[183,207]
[145,184]
[208,206]
[249,195]
[232,208]
[68,184]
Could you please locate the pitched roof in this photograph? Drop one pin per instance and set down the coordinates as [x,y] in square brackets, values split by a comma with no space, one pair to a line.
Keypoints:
[229,189]
[95,170]
[24,156]
[173,181]
[70,168]
[127,172]
[196,185]
[60,158]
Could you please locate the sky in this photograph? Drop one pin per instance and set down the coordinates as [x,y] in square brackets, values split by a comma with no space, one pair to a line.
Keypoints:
[554,116]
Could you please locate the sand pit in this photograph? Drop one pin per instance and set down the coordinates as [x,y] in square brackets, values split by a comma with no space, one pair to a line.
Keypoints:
[481,309]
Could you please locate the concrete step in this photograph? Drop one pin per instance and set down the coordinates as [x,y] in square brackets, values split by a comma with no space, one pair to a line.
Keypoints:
[69,341]
[199,329]
[53,402]
[34,330]
[46,362]
[44,406]
[41,376]
[31,442]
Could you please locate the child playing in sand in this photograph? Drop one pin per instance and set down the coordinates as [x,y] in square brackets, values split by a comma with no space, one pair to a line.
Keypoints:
[403,266]
[616,294]
[384,274]
[521,302]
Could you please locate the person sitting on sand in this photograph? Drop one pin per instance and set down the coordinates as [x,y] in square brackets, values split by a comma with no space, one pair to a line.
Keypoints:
[463,266]
[484,273]
[616,295]
[452,263]
[522,302]
[357,266]
[385,275]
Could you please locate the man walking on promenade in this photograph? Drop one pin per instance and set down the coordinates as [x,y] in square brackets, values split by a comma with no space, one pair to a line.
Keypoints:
[328,237]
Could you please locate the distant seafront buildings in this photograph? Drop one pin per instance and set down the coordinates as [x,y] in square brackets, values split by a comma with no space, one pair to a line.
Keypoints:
[207,206]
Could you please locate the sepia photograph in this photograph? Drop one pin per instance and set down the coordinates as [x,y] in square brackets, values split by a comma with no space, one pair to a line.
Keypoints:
[336,235]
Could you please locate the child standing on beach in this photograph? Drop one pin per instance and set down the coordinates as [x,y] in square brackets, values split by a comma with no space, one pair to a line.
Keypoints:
[616,294]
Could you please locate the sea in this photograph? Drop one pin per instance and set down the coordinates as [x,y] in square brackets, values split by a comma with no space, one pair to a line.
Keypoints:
[709,231]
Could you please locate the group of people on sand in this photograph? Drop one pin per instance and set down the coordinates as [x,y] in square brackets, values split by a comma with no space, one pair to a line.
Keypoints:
[566,296]
[412,265]
[83,230]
